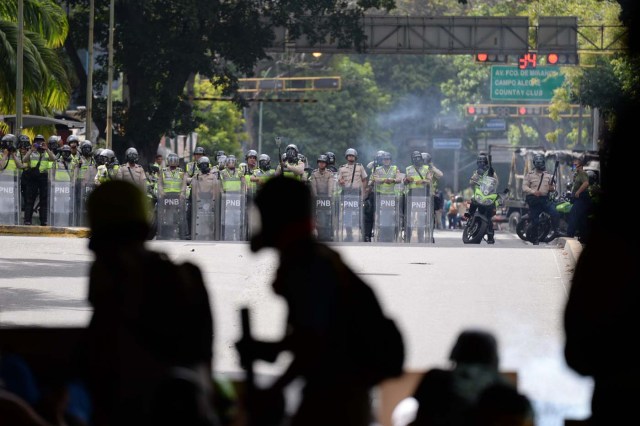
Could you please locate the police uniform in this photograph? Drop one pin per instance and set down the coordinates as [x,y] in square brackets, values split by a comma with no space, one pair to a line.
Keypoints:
[133,173]
[346,173]
[232,180]
[37,184]
[541,181]
[293,170]
[105,173]
[260,176]
[322,182]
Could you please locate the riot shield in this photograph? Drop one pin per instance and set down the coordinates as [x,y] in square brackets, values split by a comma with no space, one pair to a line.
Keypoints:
[9,198]
[83,189]
[324,214]
[419,216]
[232,216]
[387,217]
[62,196]
[204,212]
[171,210]
[350,216]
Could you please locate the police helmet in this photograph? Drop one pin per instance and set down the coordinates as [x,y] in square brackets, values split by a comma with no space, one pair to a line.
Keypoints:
[349,152]
[85,148]
[219,154]
[264,162]
[251,153]
[73,138]
[154,168]
[222,161]
[331,158]
[231,161]
[204,165]
[173,160]
[482,161]
[109,157]
[53,140]
[131,155]
[386,156]
[291,152]
[98,156]
[416,158]
[65,152]
[9,141]
[323,158]
[538,162]
[198,151]
[426,157]
[24,141]
[39,138]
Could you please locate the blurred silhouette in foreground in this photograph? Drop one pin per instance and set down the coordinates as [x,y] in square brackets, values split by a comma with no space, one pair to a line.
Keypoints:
[342,343]
[149,342]
[471,392]
[602,315]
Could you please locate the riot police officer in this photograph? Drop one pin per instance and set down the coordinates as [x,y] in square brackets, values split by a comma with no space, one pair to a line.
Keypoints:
[41,160]
[264,171]
[331,162]
[291,166]
[132,171]
[537,186]
[483,169]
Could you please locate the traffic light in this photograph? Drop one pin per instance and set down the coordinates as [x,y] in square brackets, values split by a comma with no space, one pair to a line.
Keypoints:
[491,58]
[532,110]
[478,110]
[562,58]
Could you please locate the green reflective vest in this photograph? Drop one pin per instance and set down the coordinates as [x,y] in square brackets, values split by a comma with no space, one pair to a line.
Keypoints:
[231,181]
[172,180]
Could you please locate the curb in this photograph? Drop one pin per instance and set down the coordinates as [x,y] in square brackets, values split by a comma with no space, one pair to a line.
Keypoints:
[572,246]
[44,231]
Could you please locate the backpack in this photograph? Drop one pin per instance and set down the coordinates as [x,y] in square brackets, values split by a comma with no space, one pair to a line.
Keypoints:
[376,347]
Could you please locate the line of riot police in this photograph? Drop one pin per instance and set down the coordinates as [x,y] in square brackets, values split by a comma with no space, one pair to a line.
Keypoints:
[210,200]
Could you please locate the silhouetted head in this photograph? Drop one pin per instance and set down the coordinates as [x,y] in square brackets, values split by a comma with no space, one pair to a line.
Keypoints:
[475,347]
[284,205]
[118,215]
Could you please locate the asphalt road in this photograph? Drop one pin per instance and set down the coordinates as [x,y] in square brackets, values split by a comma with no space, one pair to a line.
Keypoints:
[513,289]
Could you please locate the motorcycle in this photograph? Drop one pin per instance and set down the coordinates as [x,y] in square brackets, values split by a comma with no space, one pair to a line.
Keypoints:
[485,198]
[545,231]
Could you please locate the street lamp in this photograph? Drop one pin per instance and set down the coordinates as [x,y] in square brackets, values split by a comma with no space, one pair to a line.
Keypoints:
[109,129]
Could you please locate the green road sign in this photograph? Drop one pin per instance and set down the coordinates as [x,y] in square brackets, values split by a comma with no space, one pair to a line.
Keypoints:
[510,83]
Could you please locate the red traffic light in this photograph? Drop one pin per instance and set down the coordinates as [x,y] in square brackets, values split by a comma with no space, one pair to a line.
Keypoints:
[471,110]
[482,57]
[552,58]
[522,111]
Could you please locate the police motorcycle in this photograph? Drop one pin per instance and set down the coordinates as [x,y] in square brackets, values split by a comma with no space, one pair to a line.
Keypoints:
[485,199]
[545,228]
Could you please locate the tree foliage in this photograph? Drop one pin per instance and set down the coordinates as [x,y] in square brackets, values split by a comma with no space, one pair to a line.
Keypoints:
[46,86]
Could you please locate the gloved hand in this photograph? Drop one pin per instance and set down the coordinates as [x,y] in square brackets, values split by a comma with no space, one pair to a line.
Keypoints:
[491,172]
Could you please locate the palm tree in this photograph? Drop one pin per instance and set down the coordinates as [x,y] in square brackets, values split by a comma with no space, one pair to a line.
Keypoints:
[46,85]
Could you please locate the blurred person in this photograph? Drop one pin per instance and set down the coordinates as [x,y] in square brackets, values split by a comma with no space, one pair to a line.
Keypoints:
[149,343]
[330,315]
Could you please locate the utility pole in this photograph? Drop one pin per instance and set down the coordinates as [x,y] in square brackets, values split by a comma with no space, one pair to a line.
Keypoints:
[109,129]
[19,67]
[89,103]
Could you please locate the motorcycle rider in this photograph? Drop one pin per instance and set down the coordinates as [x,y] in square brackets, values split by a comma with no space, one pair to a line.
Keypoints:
[484,169]
[537,186]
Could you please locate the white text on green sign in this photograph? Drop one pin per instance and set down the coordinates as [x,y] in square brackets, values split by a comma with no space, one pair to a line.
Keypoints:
[509,83]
